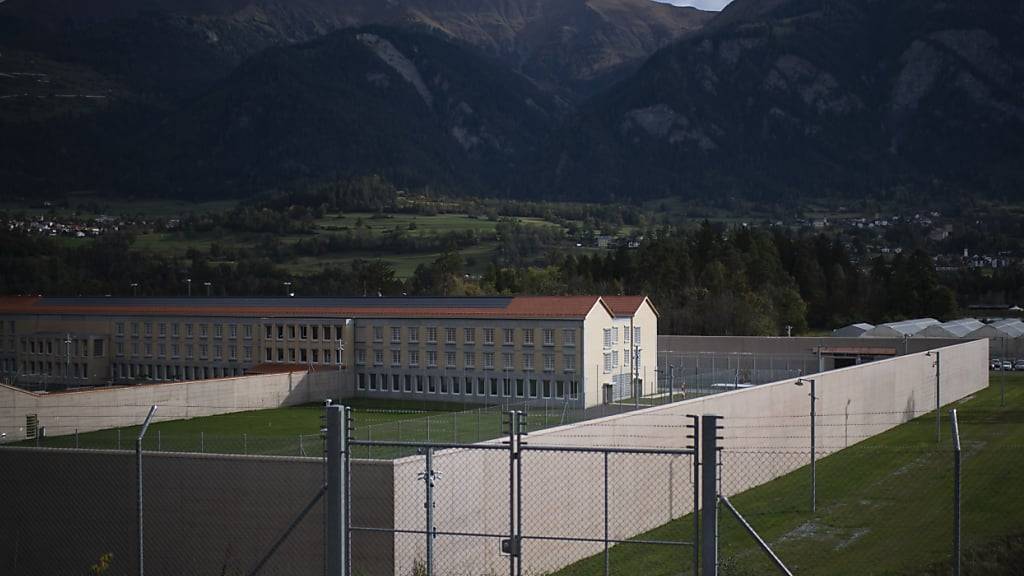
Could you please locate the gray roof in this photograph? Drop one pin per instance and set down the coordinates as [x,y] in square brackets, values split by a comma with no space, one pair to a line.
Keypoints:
[961,327]
[902,328]
[853,330]
[1012,327]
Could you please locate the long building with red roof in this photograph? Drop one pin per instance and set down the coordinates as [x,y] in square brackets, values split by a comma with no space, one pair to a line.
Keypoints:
[579,349]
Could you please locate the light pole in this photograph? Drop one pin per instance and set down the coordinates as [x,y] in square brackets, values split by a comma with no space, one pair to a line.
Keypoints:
[814,485]
[208,286]
[938,398]
[67,358]
[287,288]
[135,289]
[188,286]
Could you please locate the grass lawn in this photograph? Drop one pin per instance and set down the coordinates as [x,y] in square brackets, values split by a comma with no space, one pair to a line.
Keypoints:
[884,505]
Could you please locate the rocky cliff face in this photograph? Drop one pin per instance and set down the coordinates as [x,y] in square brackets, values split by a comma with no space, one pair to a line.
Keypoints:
[794,96]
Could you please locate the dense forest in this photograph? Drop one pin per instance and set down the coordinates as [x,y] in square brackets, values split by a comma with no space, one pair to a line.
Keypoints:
[712,280]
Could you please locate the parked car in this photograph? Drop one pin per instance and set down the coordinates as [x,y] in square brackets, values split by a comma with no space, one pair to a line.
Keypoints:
[1007,365]
[1018,365]
[995,364]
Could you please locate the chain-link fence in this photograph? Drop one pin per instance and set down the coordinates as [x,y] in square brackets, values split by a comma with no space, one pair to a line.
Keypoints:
[693,374]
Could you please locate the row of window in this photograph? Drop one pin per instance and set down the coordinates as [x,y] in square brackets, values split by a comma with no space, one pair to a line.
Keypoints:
[160,350]
[469,335]
[611,336]
[468,385]
[64,347]
[76,370]
[163,329]
[172,372]
[611,359]
[303,331]
[468,360]
[303,355]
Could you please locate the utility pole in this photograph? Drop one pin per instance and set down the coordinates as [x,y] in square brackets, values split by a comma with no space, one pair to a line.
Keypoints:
[135,289]
[188,287]
[938,396]
[67,358]
[138,471]
[208,286]
[814,479]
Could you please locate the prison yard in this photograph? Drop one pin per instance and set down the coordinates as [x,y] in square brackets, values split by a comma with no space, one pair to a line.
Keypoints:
[884,505]
[295,430]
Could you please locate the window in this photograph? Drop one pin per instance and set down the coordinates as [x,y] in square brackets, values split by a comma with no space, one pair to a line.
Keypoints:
[488,335]
[161,350]
[291,355]
[625,357]
[149,349]
[280,331]
[373,381]
[528,337]
[327,356]
[396,334]
[204,350]
[337,332]
[549,362]
[135,329]
[507,360]
[414,334]
[615,358]
[360,357]
[378,357]
[395,382]
[547,389]
[269,356]
[302,356]
[607,362]
[456,385]
[396,358]
[218,351]
[615,335]
[248,332]
[431,384]
[519,387]
[316,331]
[233,331]
[506,387]
[625,335]
[559,389]
[468,359]
[449,335]
[510,336]
[480,386]
[218,330]
[120,329]
[569,362]
[175,330]
[280,354]
[316,355]
[120,348]
[432,334]
[449,359]
[419,383]
[189,350]
[149,328]
[444,385]
[414,358]
[432,358]
[162,329]
[469,335]
[533,388]
[268,331]
[527,361]
[408,383]
[568,337]
[488,360]
[204,330]
[378,333]
[361,381]
[607,337]
[248,353]
[291,331]
[549,337]
[233,352]
[494,386]
[636,336]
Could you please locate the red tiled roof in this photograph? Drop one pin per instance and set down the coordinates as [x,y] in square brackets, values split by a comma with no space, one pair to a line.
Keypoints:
[517,307]
[625,305]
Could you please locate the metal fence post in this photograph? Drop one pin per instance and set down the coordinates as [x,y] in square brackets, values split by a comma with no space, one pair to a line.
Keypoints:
[607,566]
[202,442]
[335,492]
[709,512]
[138,483]
[245,443]
[956,493]
[695,426]
[76,437]
[428,477]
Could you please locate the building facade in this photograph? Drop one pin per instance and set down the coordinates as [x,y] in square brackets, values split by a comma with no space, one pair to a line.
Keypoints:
[578,349]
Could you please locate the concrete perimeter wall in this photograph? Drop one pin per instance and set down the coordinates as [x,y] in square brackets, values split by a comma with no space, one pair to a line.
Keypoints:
[204,514]
[563,491]
[101,408]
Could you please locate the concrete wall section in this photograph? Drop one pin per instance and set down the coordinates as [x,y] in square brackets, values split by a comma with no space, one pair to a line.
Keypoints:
[101,408]
[563,491]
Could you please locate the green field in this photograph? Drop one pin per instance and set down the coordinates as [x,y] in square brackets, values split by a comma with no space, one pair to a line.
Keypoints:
[884,505]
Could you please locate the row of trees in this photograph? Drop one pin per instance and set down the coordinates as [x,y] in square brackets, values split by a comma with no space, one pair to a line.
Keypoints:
[708,281]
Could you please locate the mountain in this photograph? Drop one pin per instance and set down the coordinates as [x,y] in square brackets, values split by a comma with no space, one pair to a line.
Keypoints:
[407,105]
[810,97]
[573,46]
